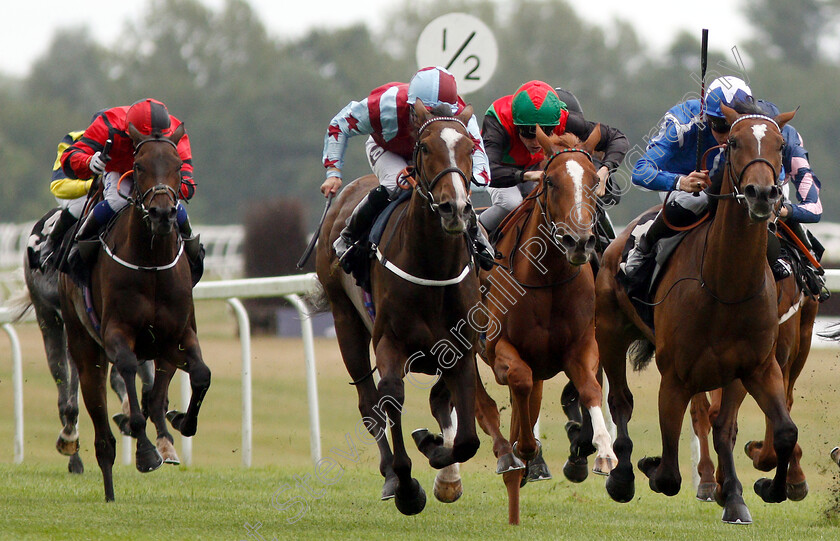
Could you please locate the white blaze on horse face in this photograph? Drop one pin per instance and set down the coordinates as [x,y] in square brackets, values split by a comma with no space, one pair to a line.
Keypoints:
[575,171]
[451,137]
[759,130]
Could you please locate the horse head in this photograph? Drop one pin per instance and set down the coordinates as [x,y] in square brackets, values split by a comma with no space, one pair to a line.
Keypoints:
[754,158]
[157,177]
[569,192]
[443,164]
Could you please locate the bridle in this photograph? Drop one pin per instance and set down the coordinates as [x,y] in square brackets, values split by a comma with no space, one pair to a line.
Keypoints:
[423,186]
[138,200]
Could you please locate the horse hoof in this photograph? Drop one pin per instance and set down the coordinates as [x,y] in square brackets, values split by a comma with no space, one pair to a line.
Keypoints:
[764,488]
[538,469]
[167,451]
[67,447]
[121,420]
[648,465]
[796,492]
[576,469]
[178,421]
[527,456]
[426,441]
[410,500]
[509,462]
[603,465]
[751,446]
[75,465]
[148,461]
[835,455]
[620,490]
[736,512]
[389,488]
[706,492]
[448,491]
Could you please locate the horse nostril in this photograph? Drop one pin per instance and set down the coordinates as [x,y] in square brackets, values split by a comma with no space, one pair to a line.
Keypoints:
[751,191]
[446,208]
[775,193]
[590,243]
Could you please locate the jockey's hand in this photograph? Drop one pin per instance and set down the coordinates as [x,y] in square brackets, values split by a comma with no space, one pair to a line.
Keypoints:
[695,182]
[603,175]
[331,186]
[528,176]
[96,164]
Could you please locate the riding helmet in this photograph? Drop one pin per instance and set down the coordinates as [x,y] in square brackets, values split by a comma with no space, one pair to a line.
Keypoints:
[148,116]
[535,103]
[729,91]
[434,86]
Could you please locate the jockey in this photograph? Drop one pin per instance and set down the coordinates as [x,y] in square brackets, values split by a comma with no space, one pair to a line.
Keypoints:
[70,194]
[670,158]
[386,115]
[509,132]
[84,158]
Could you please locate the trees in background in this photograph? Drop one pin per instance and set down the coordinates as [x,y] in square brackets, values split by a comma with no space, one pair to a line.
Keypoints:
[256,106]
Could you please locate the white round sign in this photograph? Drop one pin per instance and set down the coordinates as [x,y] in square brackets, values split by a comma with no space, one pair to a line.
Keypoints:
[464,45]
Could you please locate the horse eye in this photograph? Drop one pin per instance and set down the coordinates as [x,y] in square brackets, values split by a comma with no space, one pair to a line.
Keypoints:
[732,142]
[423,148]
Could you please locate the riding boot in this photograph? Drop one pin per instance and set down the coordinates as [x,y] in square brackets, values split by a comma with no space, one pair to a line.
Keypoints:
[86,235]
[192,246]
[485,254]
[492,217]
[64,222]
[358,223]
[643,250]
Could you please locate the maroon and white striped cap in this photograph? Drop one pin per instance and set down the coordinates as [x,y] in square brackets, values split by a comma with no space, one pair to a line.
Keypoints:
[434,86]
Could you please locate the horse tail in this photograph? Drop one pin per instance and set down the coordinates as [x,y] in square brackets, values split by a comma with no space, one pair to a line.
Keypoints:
[19,303]
[640,353]
[317,300]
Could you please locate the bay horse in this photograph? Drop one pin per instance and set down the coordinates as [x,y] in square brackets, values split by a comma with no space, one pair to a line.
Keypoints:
[424,293]
[797,312]
[541,298]
[140,298]
[41,294]
[716,322]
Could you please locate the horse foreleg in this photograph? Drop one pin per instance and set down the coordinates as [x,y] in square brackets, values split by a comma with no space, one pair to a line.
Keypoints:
[701,425]
[487,415]
[519,380]
[448,487]
[157,403]
[729,493]
[409,497]
[664,471]
[118,346]
[187,423]
[767,387]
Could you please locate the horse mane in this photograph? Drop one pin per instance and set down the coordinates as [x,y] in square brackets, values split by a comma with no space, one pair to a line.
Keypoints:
[442,109]
[748,107]
[566,140]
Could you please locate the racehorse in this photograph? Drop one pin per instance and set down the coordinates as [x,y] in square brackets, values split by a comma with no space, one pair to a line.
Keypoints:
[541,299]
[797,312]
[729,332]
[138,307]
[423,293]
[41,293]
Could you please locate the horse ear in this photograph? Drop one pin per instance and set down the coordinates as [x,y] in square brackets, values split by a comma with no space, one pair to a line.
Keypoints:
[421,114]
[178,133]
[466,114]
[135,134]
[545,142]
[729,113]
[593,139]
[784,118]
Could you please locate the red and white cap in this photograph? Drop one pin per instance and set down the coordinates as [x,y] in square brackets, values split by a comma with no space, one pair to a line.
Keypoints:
[434,86]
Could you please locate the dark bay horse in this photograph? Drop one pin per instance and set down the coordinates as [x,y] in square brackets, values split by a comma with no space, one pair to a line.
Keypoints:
[716,322]
[797,313]
[41,293]
[140,295]
[542,302]
[424,293]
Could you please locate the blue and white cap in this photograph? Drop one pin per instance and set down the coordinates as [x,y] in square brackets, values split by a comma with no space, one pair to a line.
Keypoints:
[727,90]
[434,86]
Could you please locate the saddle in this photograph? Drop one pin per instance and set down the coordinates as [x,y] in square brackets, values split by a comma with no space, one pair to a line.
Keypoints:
[359,259]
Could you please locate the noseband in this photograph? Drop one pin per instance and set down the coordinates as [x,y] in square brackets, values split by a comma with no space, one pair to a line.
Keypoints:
[425,187]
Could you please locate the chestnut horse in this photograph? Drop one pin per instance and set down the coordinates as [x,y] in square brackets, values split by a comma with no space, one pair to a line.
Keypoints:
[729,333]
[140,295]
[797,312]
[542,304]
[424,294]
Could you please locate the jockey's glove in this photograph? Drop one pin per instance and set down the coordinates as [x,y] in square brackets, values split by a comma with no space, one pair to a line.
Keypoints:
[97,163]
